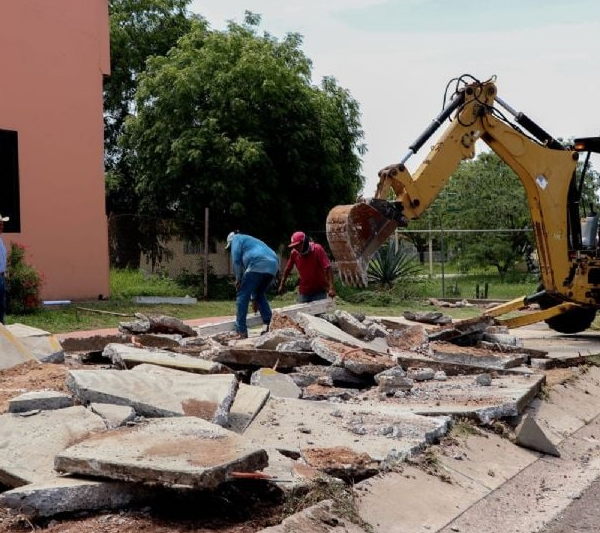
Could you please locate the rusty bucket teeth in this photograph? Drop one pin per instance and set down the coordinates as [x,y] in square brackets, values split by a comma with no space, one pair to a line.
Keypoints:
[355,232]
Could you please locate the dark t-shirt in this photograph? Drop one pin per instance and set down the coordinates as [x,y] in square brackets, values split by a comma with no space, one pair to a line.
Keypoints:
[311,268]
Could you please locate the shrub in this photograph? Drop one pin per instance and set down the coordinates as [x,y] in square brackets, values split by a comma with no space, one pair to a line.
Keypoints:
[219,287]
[23,284]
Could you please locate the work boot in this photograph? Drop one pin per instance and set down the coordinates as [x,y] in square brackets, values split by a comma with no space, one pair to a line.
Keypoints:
[265,329]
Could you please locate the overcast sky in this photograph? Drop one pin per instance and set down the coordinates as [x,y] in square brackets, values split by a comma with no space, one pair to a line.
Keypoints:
[395,57]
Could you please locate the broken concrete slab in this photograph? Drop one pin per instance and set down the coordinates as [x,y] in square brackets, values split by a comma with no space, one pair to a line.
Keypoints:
[42,400]
[180,451]
[319,328]
[113,415]
[385,432]
[529,435]
[29,443]
[254,320]
[320,518]
[508,395]
[156,391]
[248,402]
[68,494]
[306,375]
[478,357]
[350,324]
[125,356]
[71,342]
[357,360]
[431,317]
[157,324]
[272,339]
[279,385]
[13,351]
[233,355]
[42,344]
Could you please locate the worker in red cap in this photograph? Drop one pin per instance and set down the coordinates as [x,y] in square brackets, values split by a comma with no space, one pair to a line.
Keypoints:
[316,277]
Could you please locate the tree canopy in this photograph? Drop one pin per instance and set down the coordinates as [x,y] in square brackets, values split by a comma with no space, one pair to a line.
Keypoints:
[229,120]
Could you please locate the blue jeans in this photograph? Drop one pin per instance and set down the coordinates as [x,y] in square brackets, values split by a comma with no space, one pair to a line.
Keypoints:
[253,284]
[2,297]
[307,298]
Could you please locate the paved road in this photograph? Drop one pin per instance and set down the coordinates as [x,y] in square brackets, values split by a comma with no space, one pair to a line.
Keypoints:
[581,516]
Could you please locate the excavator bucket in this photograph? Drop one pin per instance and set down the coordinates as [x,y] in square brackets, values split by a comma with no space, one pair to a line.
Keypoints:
[355,233]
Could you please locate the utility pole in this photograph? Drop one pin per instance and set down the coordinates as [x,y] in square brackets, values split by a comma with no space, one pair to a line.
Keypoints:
[205,253]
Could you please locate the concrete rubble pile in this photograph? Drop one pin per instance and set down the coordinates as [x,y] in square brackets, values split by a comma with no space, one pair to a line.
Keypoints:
[336,395]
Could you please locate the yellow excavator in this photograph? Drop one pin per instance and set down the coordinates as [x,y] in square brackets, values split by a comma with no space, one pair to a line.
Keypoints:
[567,244]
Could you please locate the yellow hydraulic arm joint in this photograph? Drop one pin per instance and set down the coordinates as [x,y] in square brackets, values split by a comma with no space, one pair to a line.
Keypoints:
[520,304]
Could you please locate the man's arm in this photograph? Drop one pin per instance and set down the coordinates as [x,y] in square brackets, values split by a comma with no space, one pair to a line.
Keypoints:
[286,272]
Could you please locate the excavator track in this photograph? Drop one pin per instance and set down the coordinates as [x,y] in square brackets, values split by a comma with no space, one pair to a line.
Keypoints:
[355,232]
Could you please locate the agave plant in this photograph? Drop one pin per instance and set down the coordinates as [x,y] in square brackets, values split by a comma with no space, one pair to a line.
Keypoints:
[391,263]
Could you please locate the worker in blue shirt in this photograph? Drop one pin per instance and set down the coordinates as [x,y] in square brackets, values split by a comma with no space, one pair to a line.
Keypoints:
[254,266]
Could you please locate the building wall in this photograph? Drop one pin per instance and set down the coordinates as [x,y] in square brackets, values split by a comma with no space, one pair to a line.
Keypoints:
[54,54]
[192,262]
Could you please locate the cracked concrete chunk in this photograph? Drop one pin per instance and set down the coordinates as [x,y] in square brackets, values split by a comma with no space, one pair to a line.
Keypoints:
[42,400]
[248,402]
[29,444]
[272,339]
[13,351]
[42,344]
[280,385]
[67,495]
[529,435]
[184,451]
[290,424]
[156,391]
[113,415]
[157,324]
[351,325]
[356,360]
[234,355]
[125,356]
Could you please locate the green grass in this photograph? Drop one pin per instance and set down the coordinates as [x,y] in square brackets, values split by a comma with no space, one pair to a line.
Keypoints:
[410,296]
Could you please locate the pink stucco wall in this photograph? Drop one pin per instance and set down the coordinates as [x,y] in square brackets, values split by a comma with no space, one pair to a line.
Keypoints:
[53,55]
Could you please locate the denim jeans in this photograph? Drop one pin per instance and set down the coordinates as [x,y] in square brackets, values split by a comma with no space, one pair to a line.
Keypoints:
[253,284]
[306,298]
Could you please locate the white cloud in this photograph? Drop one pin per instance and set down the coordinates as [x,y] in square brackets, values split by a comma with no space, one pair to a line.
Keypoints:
[550,73]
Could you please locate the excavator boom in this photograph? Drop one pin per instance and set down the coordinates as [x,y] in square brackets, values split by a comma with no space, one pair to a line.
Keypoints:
[569,264]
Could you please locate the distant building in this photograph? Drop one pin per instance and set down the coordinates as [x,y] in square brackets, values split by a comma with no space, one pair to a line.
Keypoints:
[53,57]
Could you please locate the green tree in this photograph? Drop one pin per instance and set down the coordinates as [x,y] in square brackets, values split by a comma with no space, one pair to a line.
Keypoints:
[230,120]
[139,29]
[485,194]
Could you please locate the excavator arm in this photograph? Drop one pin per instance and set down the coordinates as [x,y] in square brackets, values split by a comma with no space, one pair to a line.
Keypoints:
[544,166]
